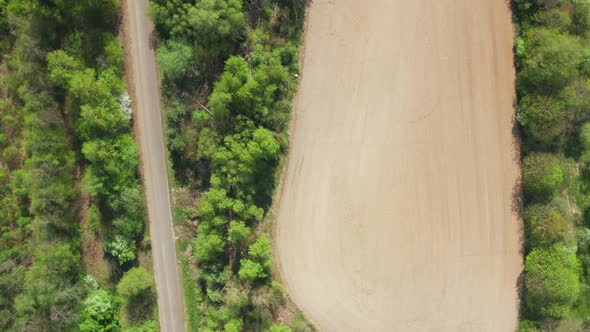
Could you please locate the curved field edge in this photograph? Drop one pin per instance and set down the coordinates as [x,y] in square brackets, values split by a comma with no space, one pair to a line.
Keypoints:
[397,211]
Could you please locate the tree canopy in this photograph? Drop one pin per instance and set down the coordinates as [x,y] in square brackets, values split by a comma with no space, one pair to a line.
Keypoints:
[551,281]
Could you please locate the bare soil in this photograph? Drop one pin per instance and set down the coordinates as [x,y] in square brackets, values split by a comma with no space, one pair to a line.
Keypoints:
[398,211]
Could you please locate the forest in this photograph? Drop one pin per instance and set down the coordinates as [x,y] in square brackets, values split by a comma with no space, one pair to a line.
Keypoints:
[229,71]
[552,60]
[74,255]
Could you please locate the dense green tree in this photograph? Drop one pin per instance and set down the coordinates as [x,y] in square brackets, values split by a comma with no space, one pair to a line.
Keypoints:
[581,18]
[49,287]
[238,232]
[551,60]
[61,67]
[242,165]
[551,281]
[251,92]
[112,56]
[113,168]
[100,121]
[214,20]
[543,118]
[175,58]
[209,247]
[546,226]
[260,251]
[213,26]
[542,174]
[251,271]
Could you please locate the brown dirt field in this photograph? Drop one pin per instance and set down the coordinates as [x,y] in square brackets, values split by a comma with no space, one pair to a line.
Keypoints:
[397,212]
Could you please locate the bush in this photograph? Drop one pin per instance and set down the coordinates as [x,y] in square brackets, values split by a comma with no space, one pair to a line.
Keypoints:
[10,155]
[136,285]
[121,249]
[279,328]
[260,251]
[100,313]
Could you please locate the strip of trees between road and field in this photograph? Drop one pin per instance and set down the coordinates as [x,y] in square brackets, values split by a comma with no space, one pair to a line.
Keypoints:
[229,75]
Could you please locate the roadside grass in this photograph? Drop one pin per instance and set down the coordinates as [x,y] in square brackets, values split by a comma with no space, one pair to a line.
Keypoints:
[192,295]
[180,202]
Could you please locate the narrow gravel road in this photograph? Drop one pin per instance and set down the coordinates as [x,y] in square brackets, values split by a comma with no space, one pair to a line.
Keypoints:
[149,124]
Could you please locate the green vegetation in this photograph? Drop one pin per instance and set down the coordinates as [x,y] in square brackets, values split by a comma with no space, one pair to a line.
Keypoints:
[229,74]
[100,312]
[553,85]
[68,170]
[552,281]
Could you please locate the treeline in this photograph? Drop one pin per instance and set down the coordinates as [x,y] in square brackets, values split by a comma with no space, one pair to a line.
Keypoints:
[552,58]
[68,159]
[230,72]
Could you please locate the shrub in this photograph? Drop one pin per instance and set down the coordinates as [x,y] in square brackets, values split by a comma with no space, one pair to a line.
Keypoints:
[100,312]
[136,284]
[121,249]
[93,218]
[585,136]
[10,155]
[279,328]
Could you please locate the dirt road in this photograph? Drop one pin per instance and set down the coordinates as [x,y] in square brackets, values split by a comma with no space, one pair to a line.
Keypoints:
[147,111]
[397,208]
